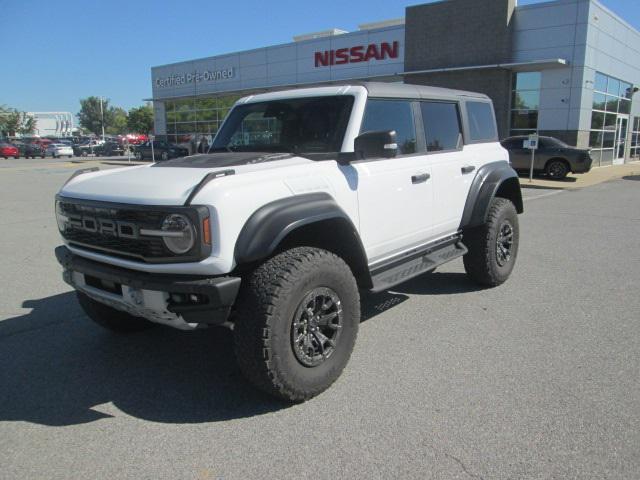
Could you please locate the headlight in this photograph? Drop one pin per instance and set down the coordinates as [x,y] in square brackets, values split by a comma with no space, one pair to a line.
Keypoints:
[61,218]
[178,233]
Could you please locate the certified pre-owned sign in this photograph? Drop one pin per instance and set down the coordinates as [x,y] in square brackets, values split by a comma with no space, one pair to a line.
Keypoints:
[197,77]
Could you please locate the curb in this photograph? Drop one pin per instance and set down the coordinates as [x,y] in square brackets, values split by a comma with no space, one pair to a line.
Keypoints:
[575,182]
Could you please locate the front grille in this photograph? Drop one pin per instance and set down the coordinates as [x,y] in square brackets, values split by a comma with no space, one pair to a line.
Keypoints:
[115,229]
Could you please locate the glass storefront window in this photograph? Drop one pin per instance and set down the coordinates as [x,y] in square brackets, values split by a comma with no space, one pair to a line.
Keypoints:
[610,103]
[185,127]
[525,102]
[185,116]
[613,87]
[207,115]
[610,121]
[527,81]
[635,138]
[595,140]
[524,119]
[189,119]
[599,101]
[597,120]
[601,82]
[625,106]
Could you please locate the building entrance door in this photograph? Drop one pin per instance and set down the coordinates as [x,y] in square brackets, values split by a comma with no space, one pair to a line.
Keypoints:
[621,140]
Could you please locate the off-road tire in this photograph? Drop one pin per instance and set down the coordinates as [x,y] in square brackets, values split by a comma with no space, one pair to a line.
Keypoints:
[110,318]
[268,301]
[481,262]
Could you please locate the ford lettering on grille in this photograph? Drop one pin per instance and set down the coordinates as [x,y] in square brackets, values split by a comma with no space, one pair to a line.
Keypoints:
[105,226]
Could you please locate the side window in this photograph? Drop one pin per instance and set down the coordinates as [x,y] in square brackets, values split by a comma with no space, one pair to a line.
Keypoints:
[512,143]
[441,125]
[482,124]
[392,115]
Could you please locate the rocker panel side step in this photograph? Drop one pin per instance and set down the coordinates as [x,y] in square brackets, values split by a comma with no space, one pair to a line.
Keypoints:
[413,267]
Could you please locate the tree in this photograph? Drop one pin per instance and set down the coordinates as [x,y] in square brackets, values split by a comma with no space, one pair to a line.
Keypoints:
[141,119]
[14,122]
[90,116]
[119,125]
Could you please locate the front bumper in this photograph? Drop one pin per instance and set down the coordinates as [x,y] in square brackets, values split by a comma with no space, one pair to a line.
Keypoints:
[152,296]
[582,165]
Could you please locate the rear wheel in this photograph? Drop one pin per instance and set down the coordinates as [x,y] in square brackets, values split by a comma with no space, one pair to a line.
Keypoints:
[493,247]
[110,318]
[557,169]
[138,155]
[297,322]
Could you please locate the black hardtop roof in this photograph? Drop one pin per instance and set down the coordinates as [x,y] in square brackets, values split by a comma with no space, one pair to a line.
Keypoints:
[405,90]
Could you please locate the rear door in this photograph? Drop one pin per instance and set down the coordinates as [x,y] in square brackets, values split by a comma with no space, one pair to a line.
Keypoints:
[395,195]
[453,167]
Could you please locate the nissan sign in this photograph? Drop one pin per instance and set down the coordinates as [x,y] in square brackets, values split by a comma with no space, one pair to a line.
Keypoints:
[357,54]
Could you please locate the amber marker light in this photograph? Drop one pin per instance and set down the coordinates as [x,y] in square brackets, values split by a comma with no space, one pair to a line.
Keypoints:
[206,231]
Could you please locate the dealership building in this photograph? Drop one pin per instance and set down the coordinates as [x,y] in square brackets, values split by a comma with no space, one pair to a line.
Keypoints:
[565,68]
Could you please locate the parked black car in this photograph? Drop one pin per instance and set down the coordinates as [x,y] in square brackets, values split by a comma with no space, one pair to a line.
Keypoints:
[30,150]
[84,149]
[161,151]
[553,157]
[109,149]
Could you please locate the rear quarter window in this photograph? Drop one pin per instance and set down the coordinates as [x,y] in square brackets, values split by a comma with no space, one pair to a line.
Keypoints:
[481,121]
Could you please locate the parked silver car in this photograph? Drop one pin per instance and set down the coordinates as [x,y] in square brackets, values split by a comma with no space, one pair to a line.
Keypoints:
[59,150]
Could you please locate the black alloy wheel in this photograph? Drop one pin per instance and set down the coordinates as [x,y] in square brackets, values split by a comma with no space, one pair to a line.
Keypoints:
[504,243]
[557,169]
[316,327]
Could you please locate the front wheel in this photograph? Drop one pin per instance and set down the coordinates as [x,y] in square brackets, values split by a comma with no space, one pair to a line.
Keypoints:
[164,156]
[493,247]
[110,318]
[557,169]
[297,321]
[138,156]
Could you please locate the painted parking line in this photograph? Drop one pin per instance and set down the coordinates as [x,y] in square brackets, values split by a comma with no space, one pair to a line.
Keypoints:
[542,195]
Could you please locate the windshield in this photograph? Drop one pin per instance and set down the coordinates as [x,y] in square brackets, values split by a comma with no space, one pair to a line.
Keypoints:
[297,125]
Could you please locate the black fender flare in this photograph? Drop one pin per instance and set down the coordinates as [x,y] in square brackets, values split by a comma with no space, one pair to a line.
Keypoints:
[490,179]
[271,223]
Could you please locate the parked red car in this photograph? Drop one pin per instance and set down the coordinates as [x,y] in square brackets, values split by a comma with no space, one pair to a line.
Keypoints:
[7,150]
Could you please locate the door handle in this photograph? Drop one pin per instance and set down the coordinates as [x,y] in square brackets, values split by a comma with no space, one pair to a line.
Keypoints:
[420,178]
[467,169]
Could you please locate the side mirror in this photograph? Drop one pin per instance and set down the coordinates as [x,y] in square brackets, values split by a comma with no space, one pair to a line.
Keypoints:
[380,144]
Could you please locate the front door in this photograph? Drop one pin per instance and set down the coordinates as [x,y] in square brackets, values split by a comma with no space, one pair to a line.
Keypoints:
[395,195]
[621,140]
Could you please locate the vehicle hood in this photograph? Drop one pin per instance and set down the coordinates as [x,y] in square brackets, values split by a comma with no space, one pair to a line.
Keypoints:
[169,182]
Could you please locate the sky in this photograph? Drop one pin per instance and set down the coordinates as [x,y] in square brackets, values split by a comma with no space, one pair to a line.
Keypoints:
[56,52]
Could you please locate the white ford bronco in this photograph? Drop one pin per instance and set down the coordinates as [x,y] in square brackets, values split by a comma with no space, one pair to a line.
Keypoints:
[305,198]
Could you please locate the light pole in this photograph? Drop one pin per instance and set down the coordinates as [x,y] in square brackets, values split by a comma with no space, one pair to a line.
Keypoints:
[102,115]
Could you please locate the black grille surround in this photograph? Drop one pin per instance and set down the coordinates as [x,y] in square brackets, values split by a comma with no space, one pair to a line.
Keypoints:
[122,236]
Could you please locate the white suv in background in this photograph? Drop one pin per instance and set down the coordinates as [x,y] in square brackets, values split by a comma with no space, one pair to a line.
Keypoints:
[305,198]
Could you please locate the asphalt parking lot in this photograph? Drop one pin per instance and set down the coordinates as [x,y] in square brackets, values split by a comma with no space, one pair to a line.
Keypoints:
[536,379]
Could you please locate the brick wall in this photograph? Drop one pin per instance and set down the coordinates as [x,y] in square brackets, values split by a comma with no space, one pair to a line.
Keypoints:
[460,33]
